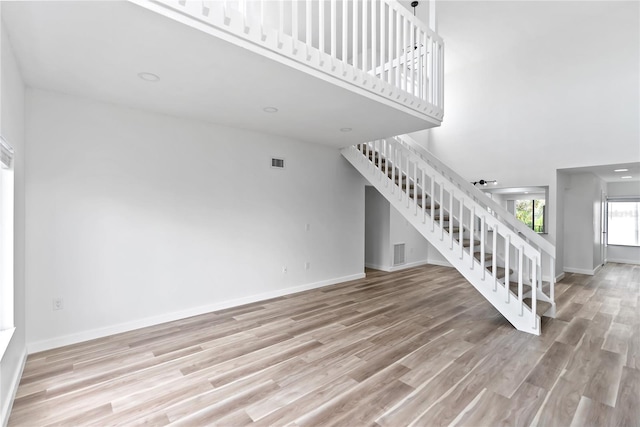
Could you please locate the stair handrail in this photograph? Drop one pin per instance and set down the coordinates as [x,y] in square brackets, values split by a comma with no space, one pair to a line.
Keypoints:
[481,198]
[531,251]
[404,176]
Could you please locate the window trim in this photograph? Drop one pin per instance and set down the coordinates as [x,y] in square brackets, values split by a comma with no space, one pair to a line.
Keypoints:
[618,199]
[7,183]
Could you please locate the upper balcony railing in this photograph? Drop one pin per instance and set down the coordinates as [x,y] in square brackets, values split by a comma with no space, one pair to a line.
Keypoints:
[377,45]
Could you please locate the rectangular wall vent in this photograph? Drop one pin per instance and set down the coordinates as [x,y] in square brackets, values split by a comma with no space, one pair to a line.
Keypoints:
[277,163]
[398,254]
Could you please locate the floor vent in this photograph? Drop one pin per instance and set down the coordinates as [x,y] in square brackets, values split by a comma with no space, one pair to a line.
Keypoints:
[398,254]
[277,163]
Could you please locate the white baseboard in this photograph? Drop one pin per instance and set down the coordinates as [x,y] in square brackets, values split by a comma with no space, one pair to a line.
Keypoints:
[397,267]
[378,267]
[49,344]
[7,404]
[440,262]
[409,265]
[559,277]
[581,271]
[595,270]
[624,261]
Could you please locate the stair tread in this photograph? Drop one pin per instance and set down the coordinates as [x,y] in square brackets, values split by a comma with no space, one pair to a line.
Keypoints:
[487,256]
[428,205]
[541,306]
[500,271]
[513,286]
[467,242]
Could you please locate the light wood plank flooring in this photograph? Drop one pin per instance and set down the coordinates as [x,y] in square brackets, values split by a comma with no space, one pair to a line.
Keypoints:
[418,347]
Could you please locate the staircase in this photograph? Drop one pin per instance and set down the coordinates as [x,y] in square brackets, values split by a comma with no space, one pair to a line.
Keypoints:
[508,263]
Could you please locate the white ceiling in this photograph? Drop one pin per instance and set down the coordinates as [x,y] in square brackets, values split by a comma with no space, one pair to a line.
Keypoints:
[607,172]
[96,49]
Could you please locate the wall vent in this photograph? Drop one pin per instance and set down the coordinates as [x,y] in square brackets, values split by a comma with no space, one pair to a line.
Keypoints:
[277,163]
[398,254]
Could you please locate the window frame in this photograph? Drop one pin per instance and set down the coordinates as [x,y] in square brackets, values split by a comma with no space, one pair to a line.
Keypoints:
[7,199]
[533,215]
[619,199]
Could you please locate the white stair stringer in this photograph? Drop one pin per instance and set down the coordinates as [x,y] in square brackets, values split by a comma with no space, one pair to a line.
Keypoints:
[377,161]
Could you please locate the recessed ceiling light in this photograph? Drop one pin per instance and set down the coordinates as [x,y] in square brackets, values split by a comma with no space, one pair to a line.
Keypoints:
[621,170]
[345,129]
[270,109]
[149,77]
[626,177]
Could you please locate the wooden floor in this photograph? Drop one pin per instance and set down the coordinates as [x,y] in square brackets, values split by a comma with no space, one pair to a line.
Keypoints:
[418,347]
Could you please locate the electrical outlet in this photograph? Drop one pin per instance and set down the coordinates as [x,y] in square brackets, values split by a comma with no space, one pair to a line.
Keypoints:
[58,304]
[307,265]
[307,227]
[284,269]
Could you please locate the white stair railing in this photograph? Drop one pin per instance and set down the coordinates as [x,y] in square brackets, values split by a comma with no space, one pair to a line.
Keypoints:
[449,214]
[547,249]
[375,44]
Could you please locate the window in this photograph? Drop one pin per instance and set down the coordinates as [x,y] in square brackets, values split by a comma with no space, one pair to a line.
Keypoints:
[531,213]
[6,245]
[623,223]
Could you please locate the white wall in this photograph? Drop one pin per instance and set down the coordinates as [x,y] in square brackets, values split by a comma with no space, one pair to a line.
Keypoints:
[582,223]
[386,227]
[566,98]
[625,254]
[135,218]
[376,236]
[12,129]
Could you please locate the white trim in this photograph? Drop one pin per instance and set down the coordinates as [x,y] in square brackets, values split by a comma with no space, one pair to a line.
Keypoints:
[595,270]
[377,267]
[441,263]
[559,277]
[624,261]
[581,271]
[48,344]
[408,265]
[623,198]
[7,405]
[397,267]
